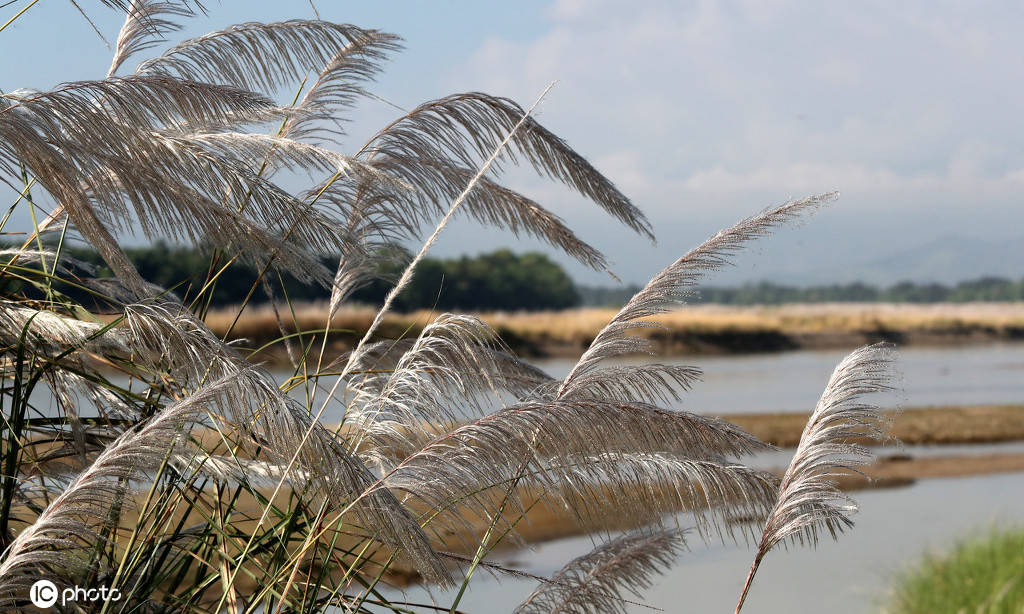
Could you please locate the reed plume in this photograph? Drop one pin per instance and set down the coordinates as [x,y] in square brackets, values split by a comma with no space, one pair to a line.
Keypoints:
[241,495]
[69,522]
[809,501]
[670,287]
[144,27]
[596,582]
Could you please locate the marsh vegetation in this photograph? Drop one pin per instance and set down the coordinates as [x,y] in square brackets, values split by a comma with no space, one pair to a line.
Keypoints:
[982,573]
[203,485]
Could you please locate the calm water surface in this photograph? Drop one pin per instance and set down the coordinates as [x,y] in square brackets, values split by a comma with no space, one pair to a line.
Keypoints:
[850,576]
[793,381]
[894,528]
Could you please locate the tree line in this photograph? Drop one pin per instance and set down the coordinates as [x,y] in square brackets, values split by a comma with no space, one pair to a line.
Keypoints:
[767,293]
[501,280]
[498,280]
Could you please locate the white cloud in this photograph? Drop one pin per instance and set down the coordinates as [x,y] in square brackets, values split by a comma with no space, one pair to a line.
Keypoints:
[898,105]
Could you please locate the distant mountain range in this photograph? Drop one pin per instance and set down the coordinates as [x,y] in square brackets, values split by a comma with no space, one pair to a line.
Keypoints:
[947,260]
[951,259]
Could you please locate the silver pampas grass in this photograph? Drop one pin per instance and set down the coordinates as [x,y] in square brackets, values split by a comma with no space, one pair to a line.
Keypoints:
[595,582]
[808,501]
[440,429]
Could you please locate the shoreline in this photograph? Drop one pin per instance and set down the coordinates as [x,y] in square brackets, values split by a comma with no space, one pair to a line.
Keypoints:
[948,425]
[691,330]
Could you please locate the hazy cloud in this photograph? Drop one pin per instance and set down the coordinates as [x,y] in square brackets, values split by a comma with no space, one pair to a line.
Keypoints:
[703,111]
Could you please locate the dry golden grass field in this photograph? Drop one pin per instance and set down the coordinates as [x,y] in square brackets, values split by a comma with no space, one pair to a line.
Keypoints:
[688,330]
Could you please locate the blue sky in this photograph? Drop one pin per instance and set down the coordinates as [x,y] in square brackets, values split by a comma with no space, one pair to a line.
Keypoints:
[702,112]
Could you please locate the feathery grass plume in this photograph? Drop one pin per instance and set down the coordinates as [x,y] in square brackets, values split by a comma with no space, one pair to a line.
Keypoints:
[648,485]
[374,228]
[255,56]
[252,473]
[651,383]
[126,5]
[669,287]
[202,164]
[608,446]
[445,376]
[109,111]
[603,580]
[596,493]
[252,149]
[407,273]
[587,427]
[490,203]
[51,333]
[374,210]
[808,500]
[113,291]
[21,257]
[172,151]
[594,413]
[271,422]
[376,491]
[170,181]
[73,139]
[341,478]
[69,522]
[380,359]
[463,128]
[75,380]
[168,339]
[195,164]
[123,5]
[354,271]
[339,85]
[144,27]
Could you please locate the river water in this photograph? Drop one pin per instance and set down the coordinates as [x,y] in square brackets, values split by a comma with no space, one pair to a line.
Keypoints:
[793,381]
[850,576]
[894,527]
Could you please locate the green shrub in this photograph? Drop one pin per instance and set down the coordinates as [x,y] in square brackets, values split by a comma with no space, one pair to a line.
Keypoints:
[983,576]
